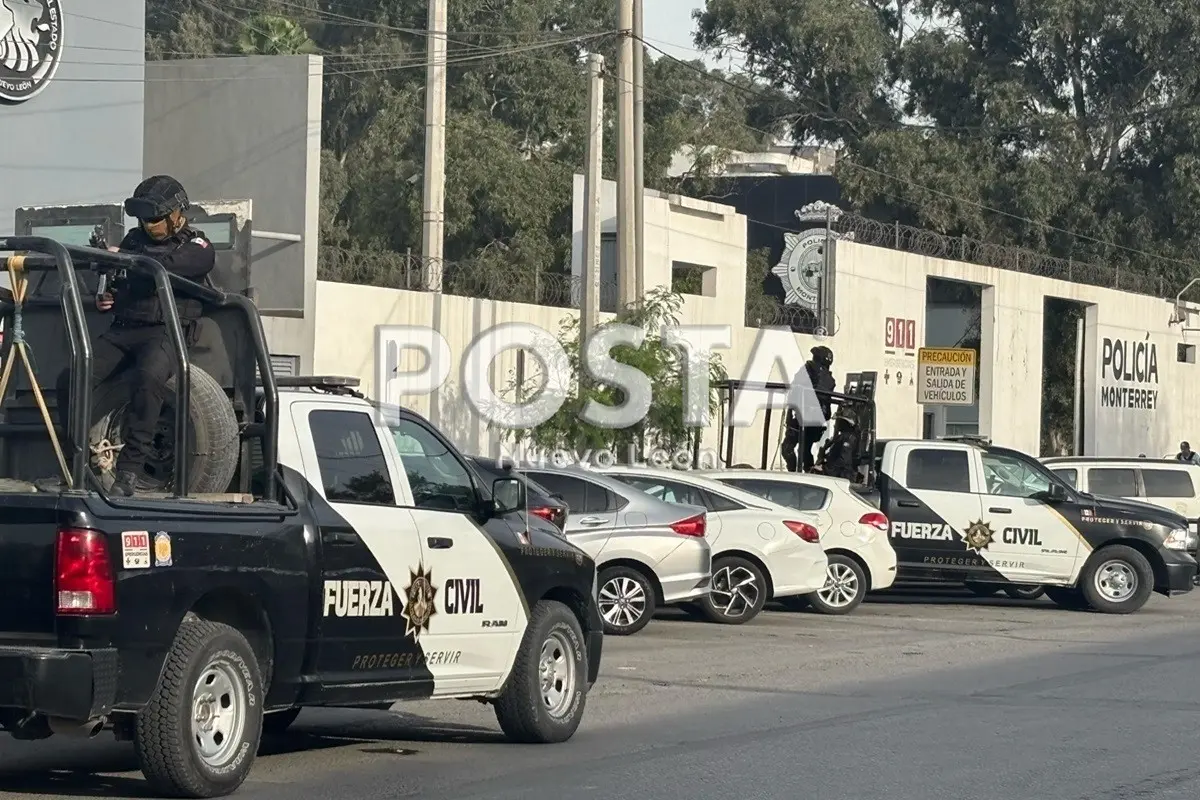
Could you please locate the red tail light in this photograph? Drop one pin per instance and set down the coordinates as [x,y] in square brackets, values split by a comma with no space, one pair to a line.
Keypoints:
[84,582]
[555,516]
[875,520]
[805,531]
[692,526]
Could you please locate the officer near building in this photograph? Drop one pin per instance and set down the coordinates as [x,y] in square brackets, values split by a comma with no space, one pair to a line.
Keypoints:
[137,340]
[839,455]
[804,432]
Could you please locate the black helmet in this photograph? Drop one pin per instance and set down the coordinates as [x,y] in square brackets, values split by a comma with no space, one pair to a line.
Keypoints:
[822,355]
[156,197]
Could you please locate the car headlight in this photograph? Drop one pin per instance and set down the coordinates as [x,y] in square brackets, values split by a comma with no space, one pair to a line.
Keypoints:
[1180,539]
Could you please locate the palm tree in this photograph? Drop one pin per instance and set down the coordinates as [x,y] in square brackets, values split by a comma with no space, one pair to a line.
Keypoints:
[271,35]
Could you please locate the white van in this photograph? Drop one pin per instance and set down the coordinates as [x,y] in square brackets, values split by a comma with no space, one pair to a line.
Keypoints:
[1167,483]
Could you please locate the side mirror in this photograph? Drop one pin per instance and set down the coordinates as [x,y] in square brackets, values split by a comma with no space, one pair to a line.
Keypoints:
[1055,494]
[508,495]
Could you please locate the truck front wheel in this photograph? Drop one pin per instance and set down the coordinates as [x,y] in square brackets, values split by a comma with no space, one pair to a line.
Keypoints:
[546,692]
[1117,580]
[199,734]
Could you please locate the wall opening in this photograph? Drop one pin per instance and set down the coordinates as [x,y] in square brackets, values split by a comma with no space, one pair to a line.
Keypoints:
[1185,353]
[694,279]
[953,318]
[1061,376]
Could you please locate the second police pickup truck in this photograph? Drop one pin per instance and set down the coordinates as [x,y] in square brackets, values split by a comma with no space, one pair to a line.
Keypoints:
[969,512]
[354,559]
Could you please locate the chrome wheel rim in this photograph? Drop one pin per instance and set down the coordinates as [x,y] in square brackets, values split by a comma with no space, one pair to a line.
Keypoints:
[557,671]
[841,586]
[1115,581]
[219,711]
[735,591]
[622,601]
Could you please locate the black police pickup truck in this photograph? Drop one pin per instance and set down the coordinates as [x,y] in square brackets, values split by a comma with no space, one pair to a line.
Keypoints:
[354,559]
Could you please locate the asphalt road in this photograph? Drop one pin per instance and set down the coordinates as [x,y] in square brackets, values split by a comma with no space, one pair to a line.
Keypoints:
[946,697]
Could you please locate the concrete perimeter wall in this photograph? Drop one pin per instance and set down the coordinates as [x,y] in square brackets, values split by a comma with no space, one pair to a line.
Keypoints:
[873,285]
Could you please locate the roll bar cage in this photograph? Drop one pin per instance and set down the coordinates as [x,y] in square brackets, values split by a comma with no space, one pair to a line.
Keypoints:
[48,255]
[858,400]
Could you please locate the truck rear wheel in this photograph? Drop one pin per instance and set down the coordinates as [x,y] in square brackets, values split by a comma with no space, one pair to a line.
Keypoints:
[213,437]
[199,734]
[546,692]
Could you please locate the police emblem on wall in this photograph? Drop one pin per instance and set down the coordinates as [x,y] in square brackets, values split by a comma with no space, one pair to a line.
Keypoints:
[31,45]
[419,602]
[801,268]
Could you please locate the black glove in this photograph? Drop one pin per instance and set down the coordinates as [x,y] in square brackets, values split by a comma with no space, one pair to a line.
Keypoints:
[98,238]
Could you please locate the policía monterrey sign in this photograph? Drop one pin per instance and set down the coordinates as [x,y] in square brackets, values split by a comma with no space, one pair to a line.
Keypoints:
[1128,374]
[31,45]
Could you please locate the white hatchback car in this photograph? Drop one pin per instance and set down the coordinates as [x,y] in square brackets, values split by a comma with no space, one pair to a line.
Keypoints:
[854,533]
[760,550]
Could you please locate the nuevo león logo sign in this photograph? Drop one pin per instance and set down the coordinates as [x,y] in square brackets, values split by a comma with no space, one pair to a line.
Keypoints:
[31,44]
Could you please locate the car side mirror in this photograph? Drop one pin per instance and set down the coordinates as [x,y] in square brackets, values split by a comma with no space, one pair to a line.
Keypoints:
[508,495]
[1055,494]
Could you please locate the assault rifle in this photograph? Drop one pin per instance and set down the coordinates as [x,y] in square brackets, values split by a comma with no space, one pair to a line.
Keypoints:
[99,240]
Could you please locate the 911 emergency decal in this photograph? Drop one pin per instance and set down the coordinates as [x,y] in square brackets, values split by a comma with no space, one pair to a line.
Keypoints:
[359,599]
[419,602]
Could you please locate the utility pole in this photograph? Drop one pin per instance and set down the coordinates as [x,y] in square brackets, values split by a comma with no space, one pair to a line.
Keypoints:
[433,216]
[639,153]
[593,180]
[626,197]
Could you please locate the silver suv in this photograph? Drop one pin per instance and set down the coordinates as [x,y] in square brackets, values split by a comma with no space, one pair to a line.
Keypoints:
[648,553]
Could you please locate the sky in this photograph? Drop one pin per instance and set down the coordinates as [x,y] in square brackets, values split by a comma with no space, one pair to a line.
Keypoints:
[668,24]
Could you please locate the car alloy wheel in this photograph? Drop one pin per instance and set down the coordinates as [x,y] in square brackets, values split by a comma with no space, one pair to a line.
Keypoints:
[735,590]
[841,586]
[622,601]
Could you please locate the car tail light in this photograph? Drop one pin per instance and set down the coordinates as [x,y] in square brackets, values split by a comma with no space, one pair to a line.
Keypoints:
[875,519]
[805,531]
[692,526]
[83,573]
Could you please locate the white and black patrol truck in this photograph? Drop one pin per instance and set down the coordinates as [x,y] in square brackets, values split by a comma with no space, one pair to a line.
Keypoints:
[308,549]
[967,512]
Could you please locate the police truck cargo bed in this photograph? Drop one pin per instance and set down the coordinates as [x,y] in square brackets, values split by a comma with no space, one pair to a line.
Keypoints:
[969,512]
[364,563]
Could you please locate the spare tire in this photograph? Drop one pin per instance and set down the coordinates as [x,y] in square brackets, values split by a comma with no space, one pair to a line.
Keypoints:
[213,439]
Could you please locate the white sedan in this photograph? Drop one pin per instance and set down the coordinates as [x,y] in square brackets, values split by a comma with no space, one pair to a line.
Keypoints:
[853,532]
[760,550]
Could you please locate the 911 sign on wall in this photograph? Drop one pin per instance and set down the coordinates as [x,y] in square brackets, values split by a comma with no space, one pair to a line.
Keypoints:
[900,334]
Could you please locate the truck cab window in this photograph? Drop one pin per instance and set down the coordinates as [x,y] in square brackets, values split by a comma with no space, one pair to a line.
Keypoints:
[350,458]
[437,478]
[1011,477]
[939,470]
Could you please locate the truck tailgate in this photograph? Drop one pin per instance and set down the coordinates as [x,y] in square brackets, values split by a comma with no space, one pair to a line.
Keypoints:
[28,534]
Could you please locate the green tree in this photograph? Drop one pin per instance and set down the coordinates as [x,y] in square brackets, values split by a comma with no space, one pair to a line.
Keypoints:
[664,426]
[516,122]
[271,35]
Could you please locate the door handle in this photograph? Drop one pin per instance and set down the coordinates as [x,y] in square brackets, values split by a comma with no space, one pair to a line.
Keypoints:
[339,538]
[593,521]
[996,510]
[439,543]
[908,504]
